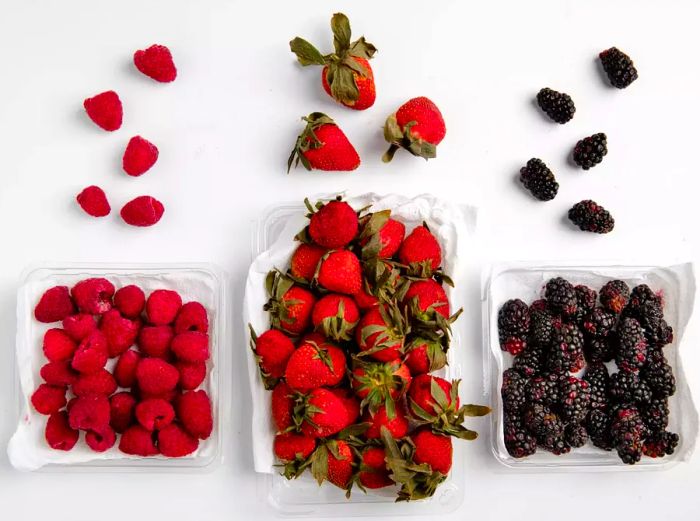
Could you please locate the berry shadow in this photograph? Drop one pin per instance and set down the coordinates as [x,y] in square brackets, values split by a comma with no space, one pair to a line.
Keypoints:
[598,64]
[543,116]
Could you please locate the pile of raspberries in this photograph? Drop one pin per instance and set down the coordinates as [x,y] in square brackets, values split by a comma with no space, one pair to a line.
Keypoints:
[149,396]
[553,339]
[358,323]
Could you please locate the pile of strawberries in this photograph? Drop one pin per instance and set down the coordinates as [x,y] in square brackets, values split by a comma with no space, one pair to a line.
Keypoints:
[358,323]
[149,396]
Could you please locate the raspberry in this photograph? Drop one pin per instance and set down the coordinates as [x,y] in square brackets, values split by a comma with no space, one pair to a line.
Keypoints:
[105,110]
[49,399]
[156,377]
[138,441]
[175,442]
[90,412]
[79,326]
[121,411]
[154,413]
[194,411]
[101,382]
[54,305]
[156,62]
[163,306]
[59,434]
[155,340]
[101,440]
[93,296]
[191,346]
[125,369]
[130,301]
[191,375]
[119,332]
[139,156]
[142,211]
[94,201]
[58,373]
[91,355]
[192,317]
[58,345]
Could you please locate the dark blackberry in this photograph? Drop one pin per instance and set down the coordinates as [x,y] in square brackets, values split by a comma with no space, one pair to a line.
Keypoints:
[631,352]
[519,443]
[530,362]
[628,387]
[538,305]
[566,352]
[628,433]
[660,335]
[619,67]
[513,391]
[543,423]
[656,330]
[543,389]
[639,296]
[615,295]
[557,445]
[561,296]
[585,300]
[598,426]
[575,435]
[658,375]
[655,415]
[557,105]
[599,349]
[513,326]
[541,329]
[590,150]
[589,216]
[660,445]
[575,399]
[539,180]
[599,323]
[598,383]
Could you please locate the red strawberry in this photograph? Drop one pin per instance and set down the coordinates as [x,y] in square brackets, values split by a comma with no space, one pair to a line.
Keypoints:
[381,333]
[340,463]
[324,414]
[347,76]
[305,260]
[323,146]
[105,110]
[425,356]
[332,225]
[381,236]
[365,300]
[425,297]
[422,393]
[340,272]
[421,252]
[351,404]
[290,305]
[272,350]
[417,127]
[94,201]
[142,211]
[380,384]
[373,471]
[432,449]
[335,316]
[283,399]
[139,156]
[156,62]
[54,305]
[291,447]
[315,363]
[397,423]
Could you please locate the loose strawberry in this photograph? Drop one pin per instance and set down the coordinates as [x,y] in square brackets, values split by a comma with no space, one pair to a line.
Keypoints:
[324,414]
[417,127]
[333,461]
[323,146]
[315,363]
[335,316]
[381,236]
[332,225]
[272,350]
[380,384]
[290,305]
[381,333]
[347,76]
[425,356]
[421,252]
[305,261]
[397,424]
[373,472]
[340,272]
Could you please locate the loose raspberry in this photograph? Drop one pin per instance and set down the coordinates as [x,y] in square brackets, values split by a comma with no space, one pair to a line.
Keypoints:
[102,382]
[163,306]
[192,317]
[91,355]
[101,440]
[191,346]
[139,156]
[142,211]
[58,373]
[59,434]
[175,442]
[194,411]
[122,407]
[49,399]
[155,413]
[93,296]
[130,301]
[58,345]
[191,374]
[156,376]
[54,305]
[79,326]
[155,340]
[105,110]
[120,332]
[90,412]
[94,201]
[125,369]
[138,441]
[156,62]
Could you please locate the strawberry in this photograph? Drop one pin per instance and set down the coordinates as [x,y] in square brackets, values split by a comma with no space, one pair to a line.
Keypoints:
[417,127]
[373,472]
[340,272]
[381,236]
[272,350]
[425,298]
[335,316]
[432,394]
[351,404]
[434,450]
[315,363]
[305,260]
[380,384]
[156,62]
[333,461]
[332,225]
[425,356]
[289,447]
[324,414]
[380,283]
[421,252]
[290,305]
[397,425]
[347,76]
[283,400]
[323,146]
[364,299]
[381,333]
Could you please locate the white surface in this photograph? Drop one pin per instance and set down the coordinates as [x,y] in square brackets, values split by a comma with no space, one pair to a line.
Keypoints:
[224,129]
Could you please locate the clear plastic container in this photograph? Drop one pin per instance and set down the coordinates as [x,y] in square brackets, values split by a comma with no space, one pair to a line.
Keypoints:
[525,281]
[202,282]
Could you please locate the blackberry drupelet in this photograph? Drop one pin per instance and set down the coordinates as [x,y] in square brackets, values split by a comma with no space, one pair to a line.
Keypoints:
[513,326]
[539,180]
[575,399]
[658,375]
[631,353]
[585,300]
[541,329]
[598,383]
[590,150]
[530,362]
[589,216]
[660,445]
[615,295]
[575,435]
[628,433]
[566,352]
[557,105]
[599,323]
[561,296]
[513,391]
[618,67]
[598,426]
[628,387]
[655,415]
[599,349]
[519,443]
[543,389]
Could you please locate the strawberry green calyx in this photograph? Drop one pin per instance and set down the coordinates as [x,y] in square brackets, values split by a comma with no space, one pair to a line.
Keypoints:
[435,353]
[371,226]
[405,139]
[308,140]
[338,327]
[390,334]
[380,384]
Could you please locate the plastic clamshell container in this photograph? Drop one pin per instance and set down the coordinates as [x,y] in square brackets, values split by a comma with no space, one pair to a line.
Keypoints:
[194,281]
[525,281]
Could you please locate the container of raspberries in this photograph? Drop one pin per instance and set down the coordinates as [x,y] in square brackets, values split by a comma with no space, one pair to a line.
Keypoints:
[355,356]
[120,367]
[585,366]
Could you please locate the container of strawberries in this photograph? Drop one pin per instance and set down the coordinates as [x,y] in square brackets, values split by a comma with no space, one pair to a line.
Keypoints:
[353,323]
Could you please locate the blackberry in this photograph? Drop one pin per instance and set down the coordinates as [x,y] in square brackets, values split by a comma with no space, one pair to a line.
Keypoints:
[656,330]
[615,295]
[590,150]
[529,362]
[538,305]
[513,391]
[566,352]
[628,387]
[598,425]
[575,399]
[557,105]
[589,216]
[599,349]
[519,443]
[660,335]
[575,435]
[539,180]
[599,323]
[658,375]
[628,433]
[655,415]
[598,383]
[619,67]
[585,300]
[660,445]
[543,389]
[639,296]
[631,352]
[561,296]
[557,445]
[513,326]
[543,423]
[541,329]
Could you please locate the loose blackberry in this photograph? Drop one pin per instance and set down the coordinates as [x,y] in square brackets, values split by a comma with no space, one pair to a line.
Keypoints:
[598,426]
[513,391]
[519,443]
[543,423]
[658,375]
[660,445]
[513,326]
[655,415]
[561,296]
[628,387]
[619,67]
[628,433]
[585,300]
[599,323]
[543,389]
[598,383]
[557,105]
[575,399]
[575,435]
[589,216]
[530,362]
[590,150]
[599,349]
[566,352]
[541,329]
[615,295]
[539,180]
[631,353]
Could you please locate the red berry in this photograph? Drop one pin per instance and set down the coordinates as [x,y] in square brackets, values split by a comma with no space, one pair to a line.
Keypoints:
[79,326]
[191,374]
[58,433]
[175,442]
[282,406]
[138,441]
[156,62]
[139,156]
[58,373]
[120,332]
[155,413]
[92,353]
[290,446]
[433,449]
[94,201]
[49,399]
[142,211]
[130,301]
[90,412]
[105,110]
[273,349]
[125,369]
[102,382]
[156,376]
[341,272]
[101,440]
[191,346]
[192,317]
[58,345]
[305,260]
[54,305]
[374,473]
[121,411]
[155,340]
[194,411]
[162,307]
[93,296]
[334,225]
[421,247]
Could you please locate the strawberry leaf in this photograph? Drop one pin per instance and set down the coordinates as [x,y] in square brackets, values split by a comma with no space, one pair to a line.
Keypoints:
[306,53]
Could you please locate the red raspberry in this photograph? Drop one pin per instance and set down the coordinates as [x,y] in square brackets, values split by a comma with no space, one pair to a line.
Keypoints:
[163,306]
[59,434]
[58,345]
[155,340]
[79,326]
[156,62]
[58,373]
[194,411]
[54,305]
[175,442]
[48,399]
[155,413]
[138,441]
[101,440]
[121,411]
[94,201]
[91,355]
[156,376]
[191,374]
[120,332]
[130,301]
[139,156]
[93,296]
[191,346]
[142,211]
[168,396]
[105,110]
[101,382]
[192,317]
[90,412]
[125,369]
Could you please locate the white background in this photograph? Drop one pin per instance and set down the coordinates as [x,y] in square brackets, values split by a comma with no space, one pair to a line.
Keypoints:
[224,129]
